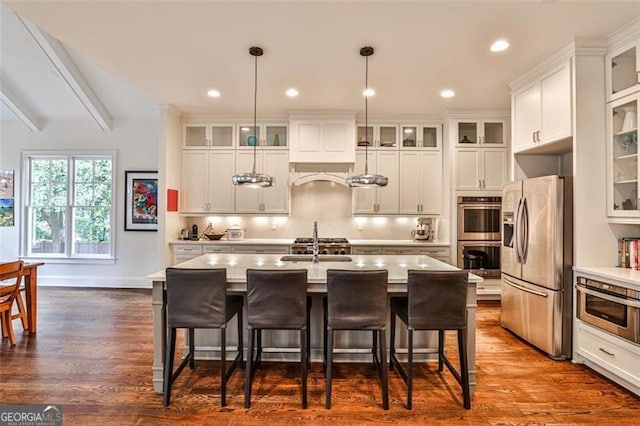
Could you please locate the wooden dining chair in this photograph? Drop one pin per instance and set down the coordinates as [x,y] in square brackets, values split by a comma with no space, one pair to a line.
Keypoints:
[5,290]
[13,270]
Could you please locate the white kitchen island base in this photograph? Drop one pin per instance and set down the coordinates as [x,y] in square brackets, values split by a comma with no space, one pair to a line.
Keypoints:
[236,266]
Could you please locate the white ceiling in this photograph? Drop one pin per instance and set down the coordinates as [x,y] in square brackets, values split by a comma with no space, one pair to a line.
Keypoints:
[137,54]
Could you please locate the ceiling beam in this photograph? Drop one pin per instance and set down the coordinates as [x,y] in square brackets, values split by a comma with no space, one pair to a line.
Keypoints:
[70,73]
[18,108]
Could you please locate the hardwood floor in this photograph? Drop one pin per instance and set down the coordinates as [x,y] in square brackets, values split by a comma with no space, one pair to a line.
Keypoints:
[93,352]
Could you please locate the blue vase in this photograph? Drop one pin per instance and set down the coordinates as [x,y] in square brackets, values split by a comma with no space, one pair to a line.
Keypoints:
[252,141]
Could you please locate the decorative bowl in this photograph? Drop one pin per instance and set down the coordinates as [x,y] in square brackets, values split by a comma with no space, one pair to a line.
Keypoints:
[214,236]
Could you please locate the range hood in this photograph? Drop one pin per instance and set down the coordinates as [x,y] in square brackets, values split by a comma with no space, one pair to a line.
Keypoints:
[301,173]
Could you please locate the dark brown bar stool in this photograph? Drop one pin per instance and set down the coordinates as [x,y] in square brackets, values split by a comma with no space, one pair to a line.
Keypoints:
[276,300]
[197,298]
[357,300]
[436,300]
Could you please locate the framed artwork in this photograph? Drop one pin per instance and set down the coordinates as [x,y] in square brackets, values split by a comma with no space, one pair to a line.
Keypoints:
[6,212]
[141,201]
[6,183]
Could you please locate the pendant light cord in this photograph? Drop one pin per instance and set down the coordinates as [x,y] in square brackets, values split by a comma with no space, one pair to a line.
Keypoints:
[366,116]
[255,109]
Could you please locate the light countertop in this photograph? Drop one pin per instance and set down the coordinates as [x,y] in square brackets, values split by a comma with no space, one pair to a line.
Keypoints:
[628,276]
[289,241]
[237,264]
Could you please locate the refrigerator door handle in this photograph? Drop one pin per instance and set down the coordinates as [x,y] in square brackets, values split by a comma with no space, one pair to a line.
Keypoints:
[525,231]
[525,289]
[517,232]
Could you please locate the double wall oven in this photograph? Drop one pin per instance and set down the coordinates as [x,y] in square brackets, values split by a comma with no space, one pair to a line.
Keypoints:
[479,235]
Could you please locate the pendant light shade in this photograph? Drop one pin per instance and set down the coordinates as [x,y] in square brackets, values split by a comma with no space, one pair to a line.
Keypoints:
[366,180]
[254,179]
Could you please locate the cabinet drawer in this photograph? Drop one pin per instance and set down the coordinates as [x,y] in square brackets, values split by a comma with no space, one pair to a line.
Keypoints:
[609,352]
[366,250]
[188,249]
[216,249]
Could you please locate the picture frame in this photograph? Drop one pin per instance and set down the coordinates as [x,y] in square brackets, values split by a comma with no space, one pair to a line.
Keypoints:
[141,200]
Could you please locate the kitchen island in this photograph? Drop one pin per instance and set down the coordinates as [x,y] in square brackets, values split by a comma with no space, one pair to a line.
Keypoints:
[236,265]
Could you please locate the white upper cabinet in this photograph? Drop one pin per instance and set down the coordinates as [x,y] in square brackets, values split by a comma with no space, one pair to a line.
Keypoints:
[542,111]
[481,169]
[421,189]
[383,200]
[267,135]
[622,151]
[322,139]
[481,132]
[206,181]
[275,199]
[207,135]
[422,136]
[378,136]
[623,69]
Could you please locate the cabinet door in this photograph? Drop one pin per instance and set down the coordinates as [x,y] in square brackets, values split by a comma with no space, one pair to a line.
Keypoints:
[221,192]
[248,200]
[526,117]
[493,132]
[467,169]
[276,198]
[430,167]
[388,196]
[410,194]
[494,168]
[622,67]
[622,151]
[194,182]
[364,199]
[195,136]
[555,101]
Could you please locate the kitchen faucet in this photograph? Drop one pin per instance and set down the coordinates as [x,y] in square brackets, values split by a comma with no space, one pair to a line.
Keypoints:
[315,258]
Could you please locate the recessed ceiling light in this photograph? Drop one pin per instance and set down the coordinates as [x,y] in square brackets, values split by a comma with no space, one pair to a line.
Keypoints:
[369,92]
[447,93]
[499,45]
[244,129]
[292,93]
[213,93]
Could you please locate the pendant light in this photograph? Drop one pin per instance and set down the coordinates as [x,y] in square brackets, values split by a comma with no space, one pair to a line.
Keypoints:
[253,179]
[366,180]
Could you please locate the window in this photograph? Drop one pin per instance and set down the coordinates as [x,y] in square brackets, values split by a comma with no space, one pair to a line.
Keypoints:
[69,205]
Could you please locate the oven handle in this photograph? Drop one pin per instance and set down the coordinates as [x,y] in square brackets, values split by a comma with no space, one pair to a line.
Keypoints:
[481,206]
[626,302]
[528,290]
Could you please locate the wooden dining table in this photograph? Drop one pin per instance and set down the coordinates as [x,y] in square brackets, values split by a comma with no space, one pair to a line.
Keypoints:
[30,276]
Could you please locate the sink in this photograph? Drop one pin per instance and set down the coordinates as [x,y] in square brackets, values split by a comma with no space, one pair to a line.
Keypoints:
[321,258]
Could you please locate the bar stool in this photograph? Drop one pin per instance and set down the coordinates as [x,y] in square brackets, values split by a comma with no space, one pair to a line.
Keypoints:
[357,300]
[197,298]
[436,300]
[276,300]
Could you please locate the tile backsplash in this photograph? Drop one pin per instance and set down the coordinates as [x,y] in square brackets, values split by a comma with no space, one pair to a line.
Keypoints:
[329,204]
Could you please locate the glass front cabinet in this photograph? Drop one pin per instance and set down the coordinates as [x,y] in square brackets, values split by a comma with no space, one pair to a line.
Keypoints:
[622,128]
[198,136]
[483,132]
[269,135]
[623,71]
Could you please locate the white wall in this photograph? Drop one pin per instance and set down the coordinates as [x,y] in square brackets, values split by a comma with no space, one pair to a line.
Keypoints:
[135,143]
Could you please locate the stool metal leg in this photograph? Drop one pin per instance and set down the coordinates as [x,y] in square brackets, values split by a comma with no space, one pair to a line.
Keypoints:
[192,350]
[223,367]
[303,364]
[464,368]
[440,349]
[383,370]
[392,339]
[249,370]
[410,371]
[240,339]
[329,367]
[259,348]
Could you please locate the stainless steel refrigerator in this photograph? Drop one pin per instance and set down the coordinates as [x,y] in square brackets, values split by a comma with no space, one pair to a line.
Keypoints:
[536,260]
